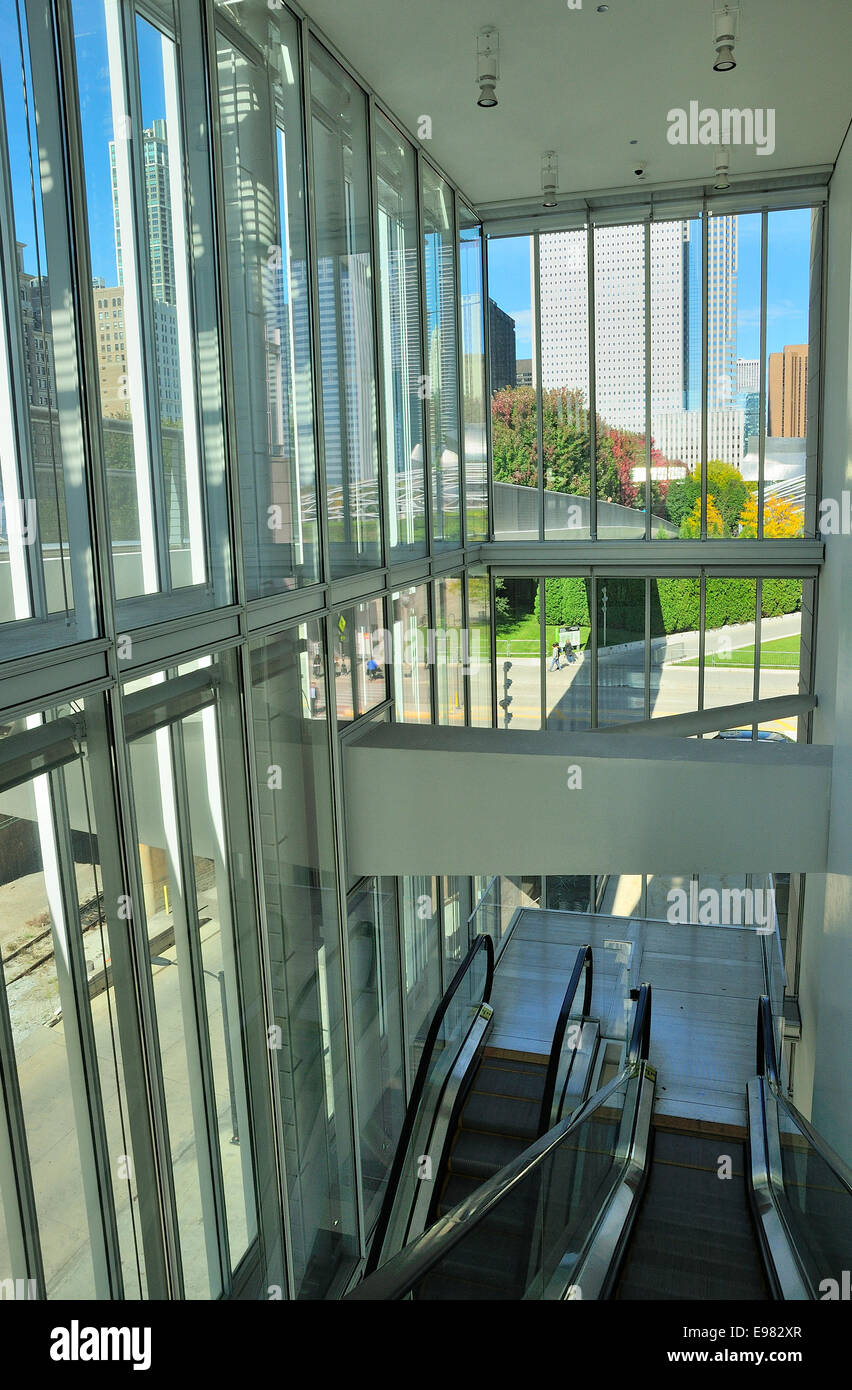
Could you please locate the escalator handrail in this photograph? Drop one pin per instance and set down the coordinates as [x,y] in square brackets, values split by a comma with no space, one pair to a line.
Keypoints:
[581,964]
[482,943]
[640,1036]
[415,1260]
[767,1070]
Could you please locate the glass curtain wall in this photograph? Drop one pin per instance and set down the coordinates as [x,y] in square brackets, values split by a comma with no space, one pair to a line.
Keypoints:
[566,406]
[412,684]
[401,348]
[341,227]
[514,407]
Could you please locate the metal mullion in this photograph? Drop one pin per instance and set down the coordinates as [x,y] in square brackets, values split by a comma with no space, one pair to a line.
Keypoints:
[338,822]
[462,438]
[432,647]
[21,1212]
[382,488]
[424,355]
[648,592]
[138,255]
[127,971]
[702,613]
[593,644]
[764,372]
[758,601]
[539,400]
[312,251]
[542,639]
[80,1045]
[486,357]
[648,366]
[593,423]
[705,355]
[194,1005]
[492,643]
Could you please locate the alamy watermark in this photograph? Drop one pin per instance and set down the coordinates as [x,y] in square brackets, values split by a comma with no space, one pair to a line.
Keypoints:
[751,125]
[722,907]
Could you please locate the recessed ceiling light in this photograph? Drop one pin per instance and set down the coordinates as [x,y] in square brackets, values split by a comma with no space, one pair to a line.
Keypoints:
[634,142]
[602,9]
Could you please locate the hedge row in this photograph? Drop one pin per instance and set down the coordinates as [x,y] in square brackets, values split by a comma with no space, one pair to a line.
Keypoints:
[675,603]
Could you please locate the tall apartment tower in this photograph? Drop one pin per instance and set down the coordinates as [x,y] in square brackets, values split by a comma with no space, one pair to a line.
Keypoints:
[788,392]
[501,327]
[158,208]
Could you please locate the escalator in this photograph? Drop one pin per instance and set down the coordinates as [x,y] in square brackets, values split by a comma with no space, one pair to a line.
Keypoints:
[595,1199]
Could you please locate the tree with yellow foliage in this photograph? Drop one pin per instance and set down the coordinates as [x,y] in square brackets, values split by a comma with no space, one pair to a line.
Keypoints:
[691,524]
[779,518]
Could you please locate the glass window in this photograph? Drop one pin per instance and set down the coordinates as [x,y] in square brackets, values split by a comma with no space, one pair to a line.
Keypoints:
[676,375]
[729,652]
[566,440]
[621,650]
[160,395]
[361,650]
[270,317]
[519,654]
[46,587]
[568,689]
[620,379]
[675,622]
[289,711]
[792,321]
[377,1027]
[473,375]
[478,655]
[514,410]
[348,386]
[442,407]
[781,651]
[422,957]
[70,997]
[401,345]
[411,667]
[200,992]
[448,655]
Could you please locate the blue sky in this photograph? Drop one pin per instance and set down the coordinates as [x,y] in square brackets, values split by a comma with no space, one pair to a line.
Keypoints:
[788,270]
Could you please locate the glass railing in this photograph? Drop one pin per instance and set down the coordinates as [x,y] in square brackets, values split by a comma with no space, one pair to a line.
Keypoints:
[567,1039]
[811,1185]
[448,1031]
[526,1232]
[496,908]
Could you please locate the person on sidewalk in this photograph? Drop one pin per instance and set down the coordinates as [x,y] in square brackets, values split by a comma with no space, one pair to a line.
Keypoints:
[554,662]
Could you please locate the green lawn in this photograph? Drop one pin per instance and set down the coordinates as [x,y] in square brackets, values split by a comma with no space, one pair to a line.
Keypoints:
[782,653]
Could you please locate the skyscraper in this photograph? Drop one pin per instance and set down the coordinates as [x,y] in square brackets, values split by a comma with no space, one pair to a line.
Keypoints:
[788,391]
[501,327]
[158,209]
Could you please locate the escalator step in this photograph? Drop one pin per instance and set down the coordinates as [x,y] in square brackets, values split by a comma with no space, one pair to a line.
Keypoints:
[495,1114]
[445,1286]
[478,1155]
[456,1189]
[504,1078]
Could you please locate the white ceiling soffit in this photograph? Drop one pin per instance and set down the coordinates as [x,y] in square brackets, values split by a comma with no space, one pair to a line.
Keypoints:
[586,84]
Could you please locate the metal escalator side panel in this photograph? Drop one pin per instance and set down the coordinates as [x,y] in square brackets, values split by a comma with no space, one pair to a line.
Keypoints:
[591,1274]
[783,1270]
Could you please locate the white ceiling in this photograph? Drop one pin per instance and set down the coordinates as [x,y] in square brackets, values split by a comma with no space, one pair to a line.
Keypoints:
[586,84]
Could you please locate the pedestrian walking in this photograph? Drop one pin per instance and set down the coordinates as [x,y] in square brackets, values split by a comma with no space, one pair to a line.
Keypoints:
[554,658]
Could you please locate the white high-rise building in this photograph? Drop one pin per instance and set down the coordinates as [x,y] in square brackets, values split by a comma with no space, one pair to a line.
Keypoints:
[748,374]
[675,325]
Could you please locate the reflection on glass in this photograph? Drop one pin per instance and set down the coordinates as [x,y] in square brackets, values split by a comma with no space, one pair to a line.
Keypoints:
[348,387]
[422,959]
[568,691]
[479,639]
[621,650]
[519,658]
[270,310]
[45,563]
[411,668]
[473,375]
[442,403]
[377,1025]
[566,441]
[401,350]
[288,710]
[514,414]
[729,663]
[361,650]
[450,657]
